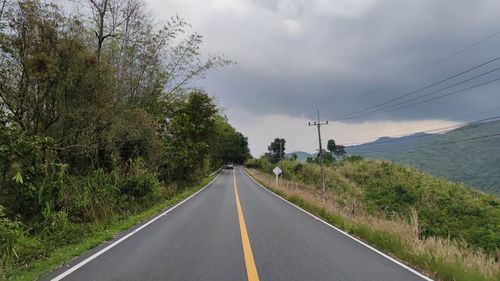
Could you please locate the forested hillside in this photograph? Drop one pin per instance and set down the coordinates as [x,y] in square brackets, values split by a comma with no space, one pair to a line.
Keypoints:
[98,121]
[470,154]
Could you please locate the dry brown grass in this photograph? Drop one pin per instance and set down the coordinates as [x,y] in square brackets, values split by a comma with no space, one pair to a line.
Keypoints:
[352,212]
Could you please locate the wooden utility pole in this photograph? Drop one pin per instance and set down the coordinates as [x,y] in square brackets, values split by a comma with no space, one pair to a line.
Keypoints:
[281,149]
[319,124]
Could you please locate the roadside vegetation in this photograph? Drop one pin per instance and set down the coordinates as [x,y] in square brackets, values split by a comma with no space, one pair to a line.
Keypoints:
[99,126]
[445,229]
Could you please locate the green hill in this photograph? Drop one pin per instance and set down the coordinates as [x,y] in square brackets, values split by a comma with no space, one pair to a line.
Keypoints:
[470,155]
[301,155]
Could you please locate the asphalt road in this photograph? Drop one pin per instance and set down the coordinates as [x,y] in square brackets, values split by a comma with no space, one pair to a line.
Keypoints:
[234,230]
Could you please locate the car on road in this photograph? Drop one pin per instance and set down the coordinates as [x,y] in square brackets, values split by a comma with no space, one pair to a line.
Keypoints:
[230,165]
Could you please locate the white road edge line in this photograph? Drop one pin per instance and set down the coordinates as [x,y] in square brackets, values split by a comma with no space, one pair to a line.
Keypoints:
[87,260]
[345,233]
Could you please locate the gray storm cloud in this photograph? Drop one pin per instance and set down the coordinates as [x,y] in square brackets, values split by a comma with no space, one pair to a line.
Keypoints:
[328,53]
[294,56]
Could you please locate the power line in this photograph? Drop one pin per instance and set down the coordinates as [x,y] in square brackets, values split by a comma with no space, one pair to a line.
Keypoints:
[464,126]
[300,133]
[370,137]
[426,87]
[473,138]
[434,92]
[485,39]
[420,146]
[394,107]
[303,131]
[295,130]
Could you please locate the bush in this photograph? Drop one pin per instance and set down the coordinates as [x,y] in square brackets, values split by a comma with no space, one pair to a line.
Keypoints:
[90,198]
[60,231]
[10,232]
[15,246]
[30,174]
[353,158]
[133,134]
[262,163]
[142,187]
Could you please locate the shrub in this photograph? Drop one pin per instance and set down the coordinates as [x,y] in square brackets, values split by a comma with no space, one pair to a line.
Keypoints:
[10,232]
[353,158]
[262,163]
[90,198]
[142,187]
[133,134]
[29,172]
[15,246]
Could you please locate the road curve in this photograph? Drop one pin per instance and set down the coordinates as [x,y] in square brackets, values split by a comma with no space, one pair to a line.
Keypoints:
[235,230]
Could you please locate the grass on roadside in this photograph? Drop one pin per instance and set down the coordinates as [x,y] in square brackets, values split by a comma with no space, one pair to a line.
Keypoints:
[443,259]
[62,255]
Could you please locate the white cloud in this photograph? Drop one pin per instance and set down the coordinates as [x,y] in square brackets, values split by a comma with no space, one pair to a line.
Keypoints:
[288,8]
[343,8]
[240,7]
[297,55]
[262,129]
[292,26]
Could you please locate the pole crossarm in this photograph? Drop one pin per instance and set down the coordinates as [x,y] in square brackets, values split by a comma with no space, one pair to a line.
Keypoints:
[316,123]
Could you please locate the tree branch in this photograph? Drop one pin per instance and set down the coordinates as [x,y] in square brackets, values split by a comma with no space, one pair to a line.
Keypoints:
[3,7]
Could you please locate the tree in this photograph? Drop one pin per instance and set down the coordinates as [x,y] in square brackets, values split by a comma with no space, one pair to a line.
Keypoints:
[51,83]
[187,132]
[242,153]
[152,63]
[277,150]
[228,145]
[327,157]
[331,146]
[294,156]
[340,151]
[97,128]
[108,18]
[32,78]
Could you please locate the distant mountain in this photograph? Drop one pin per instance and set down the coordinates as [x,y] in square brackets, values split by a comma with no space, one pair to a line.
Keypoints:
[301,155]
[463,155]
[401,140]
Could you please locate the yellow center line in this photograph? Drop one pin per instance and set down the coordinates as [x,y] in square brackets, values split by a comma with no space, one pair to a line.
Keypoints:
[247,250]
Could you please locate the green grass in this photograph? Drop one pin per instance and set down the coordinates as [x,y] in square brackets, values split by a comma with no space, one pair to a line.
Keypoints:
[62,255]
[390,244]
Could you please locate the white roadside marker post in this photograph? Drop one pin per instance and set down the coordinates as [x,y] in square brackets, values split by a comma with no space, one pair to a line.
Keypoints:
[277,171]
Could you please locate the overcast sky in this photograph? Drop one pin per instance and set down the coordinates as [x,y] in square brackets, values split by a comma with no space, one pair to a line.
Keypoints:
[296,56]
